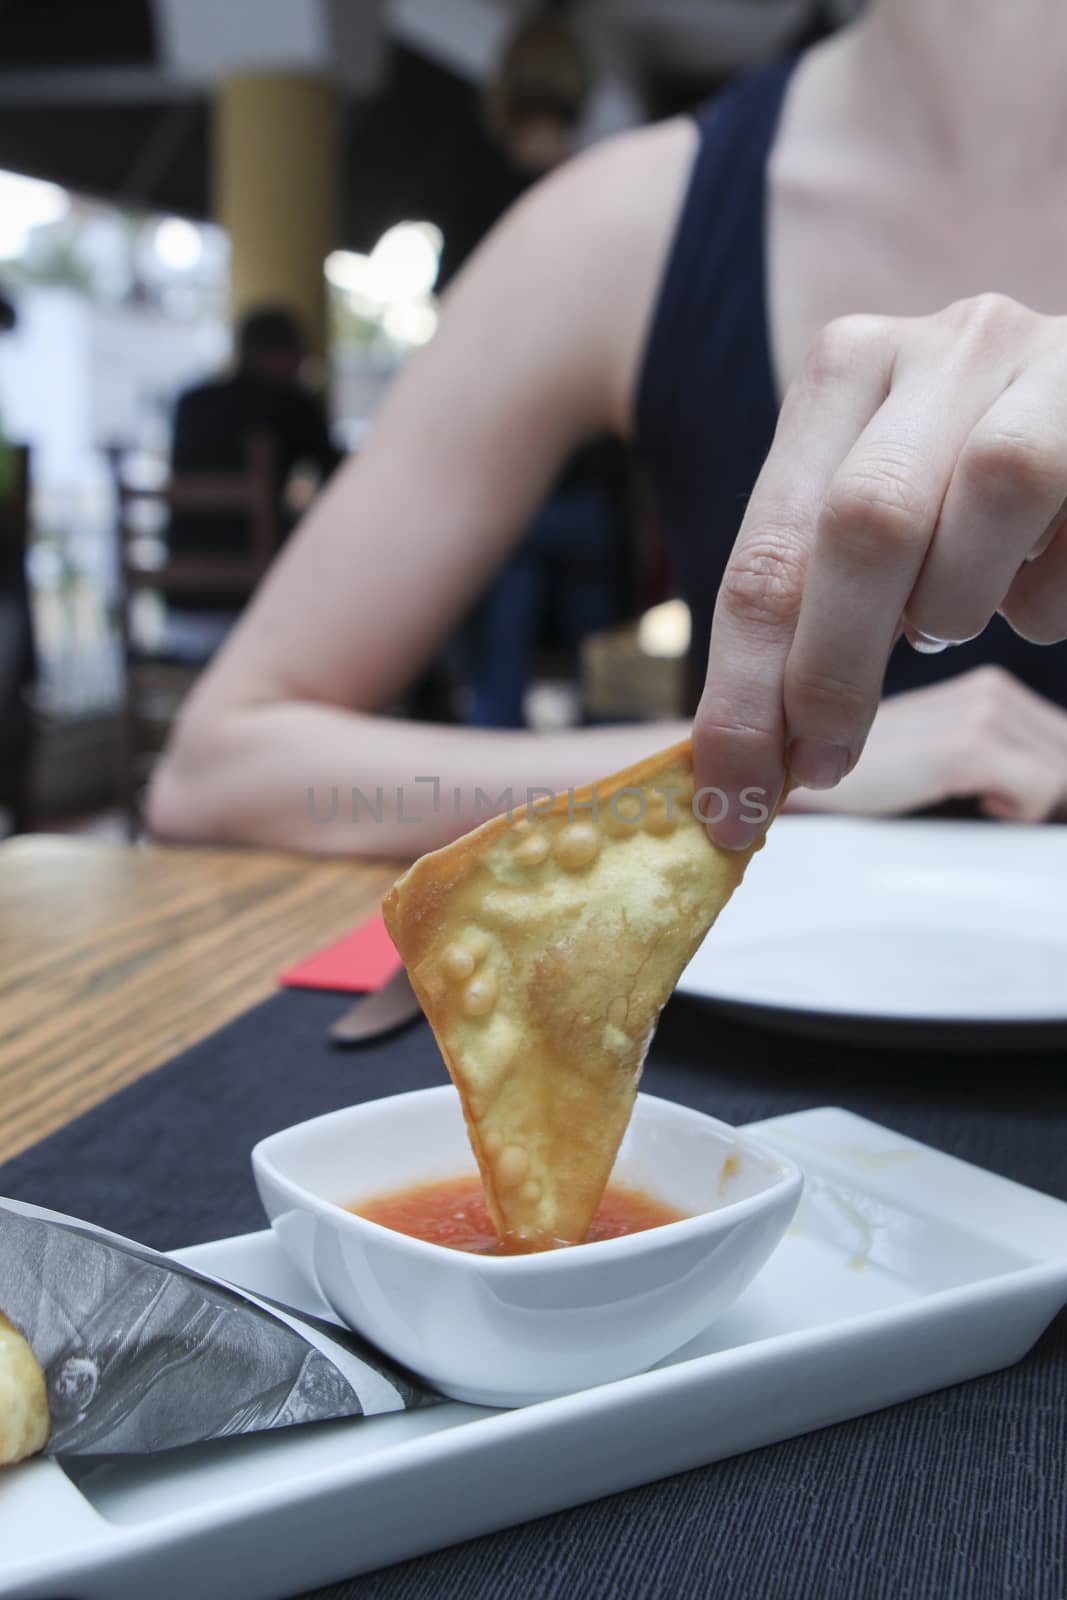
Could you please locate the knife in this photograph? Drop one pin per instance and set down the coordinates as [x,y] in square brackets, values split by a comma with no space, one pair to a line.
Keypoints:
[392,1006]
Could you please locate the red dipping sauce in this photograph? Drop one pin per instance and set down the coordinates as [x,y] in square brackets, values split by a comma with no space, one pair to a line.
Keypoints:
[454,1213]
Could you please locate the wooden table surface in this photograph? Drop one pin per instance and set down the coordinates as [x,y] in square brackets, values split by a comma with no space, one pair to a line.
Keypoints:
[115,957]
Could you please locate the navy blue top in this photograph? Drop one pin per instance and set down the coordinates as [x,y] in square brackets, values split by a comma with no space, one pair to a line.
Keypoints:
[707,404]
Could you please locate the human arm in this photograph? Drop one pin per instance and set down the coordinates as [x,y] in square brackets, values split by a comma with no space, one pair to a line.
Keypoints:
[537,351]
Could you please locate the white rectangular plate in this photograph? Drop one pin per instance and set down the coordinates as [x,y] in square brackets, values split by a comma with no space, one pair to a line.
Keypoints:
[904,1271]
[949,923]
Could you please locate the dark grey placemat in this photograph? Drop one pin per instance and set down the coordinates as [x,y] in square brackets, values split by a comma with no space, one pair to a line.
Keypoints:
[961,1494]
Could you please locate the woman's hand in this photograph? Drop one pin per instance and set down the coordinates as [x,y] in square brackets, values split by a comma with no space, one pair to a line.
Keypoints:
[983,736]
[917,481]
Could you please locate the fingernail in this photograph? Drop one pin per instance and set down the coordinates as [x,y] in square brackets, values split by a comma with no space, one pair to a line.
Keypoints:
[738,820]
[732,835]
[925,643]
[816,763]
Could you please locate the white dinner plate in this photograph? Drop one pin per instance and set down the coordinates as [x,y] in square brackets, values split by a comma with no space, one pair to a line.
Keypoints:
[851,925]
[903,1271]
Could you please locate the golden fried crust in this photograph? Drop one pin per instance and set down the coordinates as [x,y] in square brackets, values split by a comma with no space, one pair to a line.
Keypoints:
[24,1419]
[543,949]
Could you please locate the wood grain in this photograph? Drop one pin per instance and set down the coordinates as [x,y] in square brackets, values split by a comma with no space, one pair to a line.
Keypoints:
[113,958]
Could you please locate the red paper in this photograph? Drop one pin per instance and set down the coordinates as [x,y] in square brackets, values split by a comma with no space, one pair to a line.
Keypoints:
[359,963]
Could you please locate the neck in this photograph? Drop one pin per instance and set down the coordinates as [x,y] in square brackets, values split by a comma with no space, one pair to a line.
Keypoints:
[974,87]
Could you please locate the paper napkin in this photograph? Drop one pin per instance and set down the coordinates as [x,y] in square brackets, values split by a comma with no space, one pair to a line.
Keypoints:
[359,963]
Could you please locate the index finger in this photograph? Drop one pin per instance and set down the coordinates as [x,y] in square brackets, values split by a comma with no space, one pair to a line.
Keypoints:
[739,728]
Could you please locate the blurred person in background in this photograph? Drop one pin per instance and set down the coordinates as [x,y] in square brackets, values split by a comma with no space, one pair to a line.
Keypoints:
[572,571]
[829,312]
[533,107]
[213,422]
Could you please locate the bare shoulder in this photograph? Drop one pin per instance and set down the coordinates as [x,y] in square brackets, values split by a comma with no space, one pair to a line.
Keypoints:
[630,182]
[597,233]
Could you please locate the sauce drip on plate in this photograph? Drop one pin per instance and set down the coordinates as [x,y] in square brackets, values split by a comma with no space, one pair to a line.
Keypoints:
[454,1213]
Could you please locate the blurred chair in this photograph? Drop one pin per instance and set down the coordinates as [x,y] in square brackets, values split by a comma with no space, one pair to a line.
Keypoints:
[17,655]
[159,673]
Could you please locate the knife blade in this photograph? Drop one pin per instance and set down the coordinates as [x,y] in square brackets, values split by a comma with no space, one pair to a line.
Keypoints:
[392,1006]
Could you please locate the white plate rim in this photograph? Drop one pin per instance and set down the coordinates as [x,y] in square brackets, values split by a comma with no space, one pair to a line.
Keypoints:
[1014,847]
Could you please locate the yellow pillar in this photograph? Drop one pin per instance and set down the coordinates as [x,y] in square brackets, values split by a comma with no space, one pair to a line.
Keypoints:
[277,177]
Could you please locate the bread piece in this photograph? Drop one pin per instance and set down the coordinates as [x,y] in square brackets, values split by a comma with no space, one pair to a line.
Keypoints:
[543,949]
[24,1419]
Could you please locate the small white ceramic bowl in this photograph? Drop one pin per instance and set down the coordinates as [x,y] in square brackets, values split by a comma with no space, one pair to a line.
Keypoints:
[506,1330]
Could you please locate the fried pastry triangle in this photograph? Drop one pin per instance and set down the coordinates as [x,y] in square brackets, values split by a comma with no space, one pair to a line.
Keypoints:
[24,1419]
[542,949]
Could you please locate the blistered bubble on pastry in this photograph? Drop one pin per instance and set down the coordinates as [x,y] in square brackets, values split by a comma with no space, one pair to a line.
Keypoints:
[476,940]
[661,814]
[512,1166]
[479,997]
[580,916]
[457,962]
[622,813]
[532,849]
[577,846]
[24,1420]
